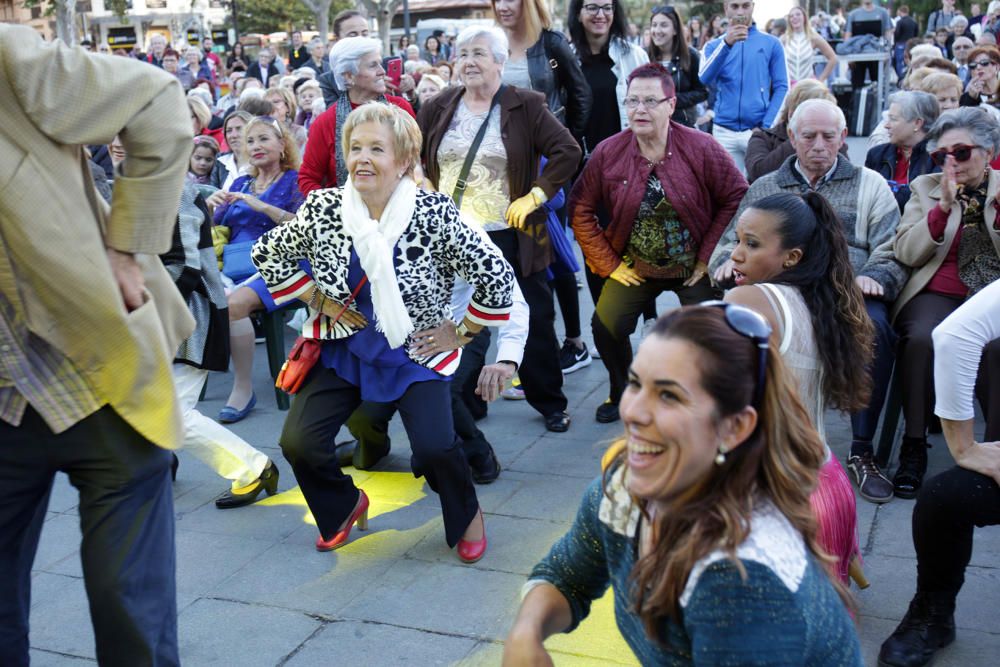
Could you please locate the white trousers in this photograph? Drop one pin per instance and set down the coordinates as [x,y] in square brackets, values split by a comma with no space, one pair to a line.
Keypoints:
[735,144]
[212,443]
[958,348]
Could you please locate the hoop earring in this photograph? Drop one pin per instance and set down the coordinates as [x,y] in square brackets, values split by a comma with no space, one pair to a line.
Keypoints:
[720,458]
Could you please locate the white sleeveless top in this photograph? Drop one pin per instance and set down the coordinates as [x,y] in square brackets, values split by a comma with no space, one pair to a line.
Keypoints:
[799,349]
[799,57]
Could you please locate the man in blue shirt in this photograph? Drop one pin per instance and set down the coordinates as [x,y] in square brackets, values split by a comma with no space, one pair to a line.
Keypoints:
[747,69]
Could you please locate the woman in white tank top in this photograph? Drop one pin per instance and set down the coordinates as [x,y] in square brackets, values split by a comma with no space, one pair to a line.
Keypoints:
[800,44]
[792,266]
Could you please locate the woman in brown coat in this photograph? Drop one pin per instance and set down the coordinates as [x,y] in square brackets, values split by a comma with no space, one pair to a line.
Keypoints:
[502,191]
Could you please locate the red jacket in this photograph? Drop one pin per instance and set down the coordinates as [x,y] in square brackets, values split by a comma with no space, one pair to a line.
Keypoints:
[319,165]
[698,176]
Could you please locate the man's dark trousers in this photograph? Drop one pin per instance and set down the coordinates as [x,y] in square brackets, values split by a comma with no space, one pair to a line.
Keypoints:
[126,517]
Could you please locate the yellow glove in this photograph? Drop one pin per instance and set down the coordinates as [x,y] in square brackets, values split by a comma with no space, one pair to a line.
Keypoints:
[522,207]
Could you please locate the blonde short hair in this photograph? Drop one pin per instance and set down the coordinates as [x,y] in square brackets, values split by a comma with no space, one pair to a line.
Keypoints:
[806,89]
[289,153]
[289,98]
[940,82]
[405,132]
[200,111]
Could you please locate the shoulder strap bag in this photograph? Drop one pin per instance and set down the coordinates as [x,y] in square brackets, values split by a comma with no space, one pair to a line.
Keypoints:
[470,157]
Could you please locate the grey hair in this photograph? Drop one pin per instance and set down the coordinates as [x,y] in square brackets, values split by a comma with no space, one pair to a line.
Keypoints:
[981,126]
[958,20]
[314,42]
[914,104]
[499,45]
[836,111]
[346,53]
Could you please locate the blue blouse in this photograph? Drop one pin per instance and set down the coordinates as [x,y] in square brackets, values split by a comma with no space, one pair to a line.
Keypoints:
[247,224]
[365,359]
[785,611]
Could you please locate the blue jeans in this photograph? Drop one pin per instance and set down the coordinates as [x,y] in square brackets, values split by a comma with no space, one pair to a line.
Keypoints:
[864,422]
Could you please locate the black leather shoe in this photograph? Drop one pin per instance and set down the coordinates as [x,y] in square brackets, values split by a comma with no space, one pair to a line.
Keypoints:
[488,472]
[929,625]
[912,466]
[345,452]
[607,412]
[267,482]
[557,422]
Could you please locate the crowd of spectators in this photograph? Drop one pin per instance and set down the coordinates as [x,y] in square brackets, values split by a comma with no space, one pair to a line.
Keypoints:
[397,193]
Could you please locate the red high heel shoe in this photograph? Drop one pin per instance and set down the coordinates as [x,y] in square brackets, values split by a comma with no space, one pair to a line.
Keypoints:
[470,551]
[359,516]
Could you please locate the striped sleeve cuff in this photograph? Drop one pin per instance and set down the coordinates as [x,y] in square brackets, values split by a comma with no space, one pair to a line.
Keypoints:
[487,317]
[293,287]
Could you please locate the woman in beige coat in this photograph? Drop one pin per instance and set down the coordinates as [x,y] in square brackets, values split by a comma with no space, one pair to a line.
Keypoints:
[950,239]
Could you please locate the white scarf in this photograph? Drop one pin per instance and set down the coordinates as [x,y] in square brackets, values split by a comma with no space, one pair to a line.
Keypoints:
[375,243]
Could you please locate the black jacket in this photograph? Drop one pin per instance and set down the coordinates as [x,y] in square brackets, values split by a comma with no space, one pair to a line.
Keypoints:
[882,158]
[254,71]
[555,72]
[690,89]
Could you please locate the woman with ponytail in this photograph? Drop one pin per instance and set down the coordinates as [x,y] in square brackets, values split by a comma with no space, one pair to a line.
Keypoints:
[701,523]
[791,265]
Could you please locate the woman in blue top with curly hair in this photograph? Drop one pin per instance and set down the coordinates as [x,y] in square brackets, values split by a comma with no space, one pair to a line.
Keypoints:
[701,523]
[254,204]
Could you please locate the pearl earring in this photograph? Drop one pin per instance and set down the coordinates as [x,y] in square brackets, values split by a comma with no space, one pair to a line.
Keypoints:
[720,458]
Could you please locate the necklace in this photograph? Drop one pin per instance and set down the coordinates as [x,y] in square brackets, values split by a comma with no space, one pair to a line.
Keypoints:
[259,188]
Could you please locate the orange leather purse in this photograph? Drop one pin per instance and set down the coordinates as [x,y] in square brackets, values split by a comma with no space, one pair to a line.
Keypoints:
[305,353]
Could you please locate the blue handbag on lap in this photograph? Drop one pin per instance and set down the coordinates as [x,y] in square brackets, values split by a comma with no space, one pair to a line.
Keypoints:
[236,264]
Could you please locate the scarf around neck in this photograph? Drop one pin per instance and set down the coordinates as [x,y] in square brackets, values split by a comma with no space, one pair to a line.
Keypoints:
[375,242]
[344,110]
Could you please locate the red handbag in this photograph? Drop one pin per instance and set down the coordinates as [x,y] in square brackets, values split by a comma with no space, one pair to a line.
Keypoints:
[305,353]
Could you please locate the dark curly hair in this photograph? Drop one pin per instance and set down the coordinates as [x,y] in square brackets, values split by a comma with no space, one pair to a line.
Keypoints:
[844,332]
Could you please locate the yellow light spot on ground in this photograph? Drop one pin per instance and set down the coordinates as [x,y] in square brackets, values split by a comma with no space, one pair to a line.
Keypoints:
[387,491]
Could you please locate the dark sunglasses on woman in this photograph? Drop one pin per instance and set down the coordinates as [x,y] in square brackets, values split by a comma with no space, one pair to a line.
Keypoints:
[961,153]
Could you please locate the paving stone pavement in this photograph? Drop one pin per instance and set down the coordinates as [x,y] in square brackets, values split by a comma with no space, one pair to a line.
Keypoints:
[252,590]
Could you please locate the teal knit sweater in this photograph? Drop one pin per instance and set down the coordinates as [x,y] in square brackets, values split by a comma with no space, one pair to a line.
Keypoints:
[785,612]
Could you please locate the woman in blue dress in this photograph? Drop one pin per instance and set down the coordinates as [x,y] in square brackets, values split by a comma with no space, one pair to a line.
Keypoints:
[382,258]
[701,523]
[256,202]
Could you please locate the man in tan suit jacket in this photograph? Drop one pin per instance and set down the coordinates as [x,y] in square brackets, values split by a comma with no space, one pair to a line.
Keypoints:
[89,322]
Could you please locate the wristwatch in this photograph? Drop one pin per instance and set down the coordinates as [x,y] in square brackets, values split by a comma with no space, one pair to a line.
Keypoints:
[463,332]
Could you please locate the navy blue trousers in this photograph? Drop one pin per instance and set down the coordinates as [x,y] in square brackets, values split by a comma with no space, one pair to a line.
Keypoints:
[126,516]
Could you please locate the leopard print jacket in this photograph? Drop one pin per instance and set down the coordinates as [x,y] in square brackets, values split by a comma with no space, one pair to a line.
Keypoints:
[437,246]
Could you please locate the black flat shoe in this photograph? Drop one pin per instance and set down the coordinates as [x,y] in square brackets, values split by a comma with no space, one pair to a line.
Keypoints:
[488,473]
[267,482]
[557,422]
[607,412]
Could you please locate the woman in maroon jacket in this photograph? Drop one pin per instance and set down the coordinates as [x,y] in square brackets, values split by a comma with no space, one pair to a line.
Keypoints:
[670,192]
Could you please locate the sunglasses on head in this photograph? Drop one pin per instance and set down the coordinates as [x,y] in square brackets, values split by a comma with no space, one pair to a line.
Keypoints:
[662,9]
[752,325]
[961,153]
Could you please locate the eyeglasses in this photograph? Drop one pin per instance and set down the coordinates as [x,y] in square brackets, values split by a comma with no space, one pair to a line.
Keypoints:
[980,63]
[961,153]
[648,102]
[594,10]
[662,9]
[752,325]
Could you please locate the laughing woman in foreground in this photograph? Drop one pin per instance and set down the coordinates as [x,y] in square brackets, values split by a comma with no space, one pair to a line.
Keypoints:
[701,523]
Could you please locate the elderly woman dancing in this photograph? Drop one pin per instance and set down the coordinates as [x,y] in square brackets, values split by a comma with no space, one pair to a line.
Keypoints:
[496,183]
[356,63]
[384,257]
